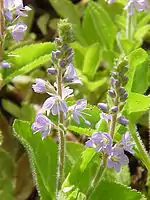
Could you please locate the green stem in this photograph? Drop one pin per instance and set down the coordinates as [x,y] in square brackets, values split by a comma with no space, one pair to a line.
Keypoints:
[129,26]
[61,138]
[2,25]
[97,178]
[143,154]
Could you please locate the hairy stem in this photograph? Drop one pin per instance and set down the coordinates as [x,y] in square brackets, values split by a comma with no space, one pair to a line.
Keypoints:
[97,178]
[2,25]
[142,152]
[113,120]
[61,138]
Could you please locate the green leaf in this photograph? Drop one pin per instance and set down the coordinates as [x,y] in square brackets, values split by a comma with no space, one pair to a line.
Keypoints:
[27,58]
[113,191]
[141,32]
[66,9]
[92,60]
[138,71]
[19,112]
[80,130]
[81,173]
[43,157]
[101,24]
[6,176]
[136,105]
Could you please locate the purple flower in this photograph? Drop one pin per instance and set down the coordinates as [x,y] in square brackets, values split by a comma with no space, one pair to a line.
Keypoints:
[106,117]
[14,7]
[18,31]
[5,64]
[77,111]
[100,141]
[139,5]
[42,86]
[42,124]
[71,75]
[56,105]
[117,158]
[126,143]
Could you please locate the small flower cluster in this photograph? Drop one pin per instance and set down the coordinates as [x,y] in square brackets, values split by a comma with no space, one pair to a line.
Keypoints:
[133,5]
[117,93]
[103,142]
[65,74]
[13,9]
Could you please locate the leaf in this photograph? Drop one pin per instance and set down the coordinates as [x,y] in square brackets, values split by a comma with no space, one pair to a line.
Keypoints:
[136,105]
[102,25]
[141,32]
[92,60]
[113,191]
[43,158]
[66,9]
[22,63]
[80,130]
[6,176]
[138,71]
[82,172]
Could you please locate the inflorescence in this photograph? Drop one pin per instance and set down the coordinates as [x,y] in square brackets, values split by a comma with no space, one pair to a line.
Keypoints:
[61,62]
[111,113]
[12,11]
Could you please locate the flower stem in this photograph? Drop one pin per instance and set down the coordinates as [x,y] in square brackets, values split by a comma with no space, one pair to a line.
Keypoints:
[2,25]
[129,26]
[97,178]
[61,138]
[114,119]
[143,154]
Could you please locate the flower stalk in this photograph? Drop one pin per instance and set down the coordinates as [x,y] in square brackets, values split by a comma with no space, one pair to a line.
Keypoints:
[2,25]
[61,140]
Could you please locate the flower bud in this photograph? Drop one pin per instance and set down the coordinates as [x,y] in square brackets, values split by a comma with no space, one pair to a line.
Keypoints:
[111,93]
[103,106]
[52,71]
[124,80]
[123,121]
[58,54]
[114,109]
[53,56]
[121,91]
[69,59]
[62,63]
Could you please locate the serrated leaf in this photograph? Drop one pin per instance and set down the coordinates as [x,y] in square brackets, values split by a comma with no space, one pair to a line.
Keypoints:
[92,60]
[43,158]
[113,191]
[26,59]
[138,71]
[80,130]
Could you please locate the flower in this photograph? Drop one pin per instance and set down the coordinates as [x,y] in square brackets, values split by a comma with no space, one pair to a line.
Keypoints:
[5,64]
[55,104]
[117,158]
[139,5]
[42,124]
[126,143]
[77,111]
[39,86]
[100,141]
[71,75]
[14,7]
[18,30]
[42,86]
[106,117]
